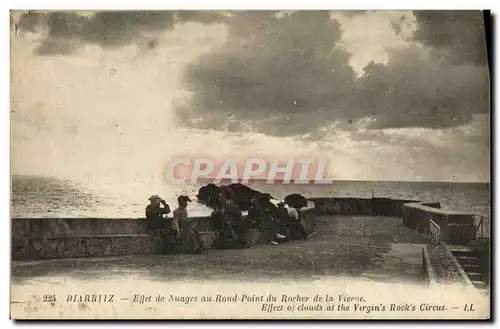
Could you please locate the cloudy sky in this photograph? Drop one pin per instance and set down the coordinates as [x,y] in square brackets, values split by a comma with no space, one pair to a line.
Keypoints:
[103,96]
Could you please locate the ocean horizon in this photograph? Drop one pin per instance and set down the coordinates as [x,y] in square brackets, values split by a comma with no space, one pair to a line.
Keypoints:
[226,180]
[49,197]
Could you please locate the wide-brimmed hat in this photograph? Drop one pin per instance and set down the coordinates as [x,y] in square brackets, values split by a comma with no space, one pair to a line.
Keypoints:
[154,197]
[183,198]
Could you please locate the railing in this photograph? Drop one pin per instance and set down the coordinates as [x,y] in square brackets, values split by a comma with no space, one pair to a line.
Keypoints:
[479,227]
[434,233]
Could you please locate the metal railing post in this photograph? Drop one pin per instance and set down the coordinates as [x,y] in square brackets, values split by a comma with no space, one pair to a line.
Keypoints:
[434,232]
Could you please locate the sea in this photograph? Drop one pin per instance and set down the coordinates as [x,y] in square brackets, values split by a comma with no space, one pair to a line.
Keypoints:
[48,197]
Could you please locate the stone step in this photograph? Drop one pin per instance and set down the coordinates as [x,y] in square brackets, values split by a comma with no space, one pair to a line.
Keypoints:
[463,253]
[457,248]
[474,276]
[470,267]
[479,284]
[469,260]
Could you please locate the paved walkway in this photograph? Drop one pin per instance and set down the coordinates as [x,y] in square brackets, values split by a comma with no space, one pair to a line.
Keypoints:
[376,248]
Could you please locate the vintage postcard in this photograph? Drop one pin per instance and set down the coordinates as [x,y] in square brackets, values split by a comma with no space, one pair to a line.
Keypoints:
[250,165]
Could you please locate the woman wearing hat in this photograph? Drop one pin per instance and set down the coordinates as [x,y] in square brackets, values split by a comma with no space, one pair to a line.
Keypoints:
[189,238]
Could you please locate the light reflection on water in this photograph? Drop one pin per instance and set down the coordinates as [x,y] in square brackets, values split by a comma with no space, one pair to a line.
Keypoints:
[49,197]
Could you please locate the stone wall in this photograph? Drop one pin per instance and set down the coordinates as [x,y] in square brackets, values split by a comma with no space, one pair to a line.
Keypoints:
[428,273]
[456,228]
[331,206]
[80,246]
[47,238]
[440,268]
[362,206]
[36,238]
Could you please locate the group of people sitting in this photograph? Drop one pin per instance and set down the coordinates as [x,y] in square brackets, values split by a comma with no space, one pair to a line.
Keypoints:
[276,223]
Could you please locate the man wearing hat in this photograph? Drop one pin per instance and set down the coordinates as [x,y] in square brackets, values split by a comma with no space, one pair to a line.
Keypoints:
[156,224]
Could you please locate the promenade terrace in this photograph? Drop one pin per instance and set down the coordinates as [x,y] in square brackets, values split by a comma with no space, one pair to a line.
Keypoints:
[375,238]
[373,247]
[378,243]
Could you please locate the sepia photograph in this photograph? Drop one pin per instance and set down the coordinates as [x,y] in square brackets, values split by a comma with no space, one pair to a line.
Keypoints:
[250,164]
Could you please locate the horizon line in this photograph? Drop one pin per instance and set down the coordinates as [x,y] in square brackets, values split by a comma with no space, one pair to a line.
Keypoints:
[280,180]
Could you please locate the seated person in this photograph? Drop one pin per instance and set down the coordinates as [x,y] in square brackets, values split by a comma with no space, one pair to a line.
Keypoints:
[293,213]
[232,217]
[262,217]
[222,224]
[254,214]
[240,225]
[217,219]
[282,216]
[295,225]
[270,225]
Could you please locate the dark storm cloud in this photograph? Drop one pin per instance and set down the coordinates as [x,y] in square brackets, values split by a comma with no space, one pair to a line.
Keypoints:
[287,76]
[459,32]
[272,72]
[55,46]
[413,92]
[30,21]
[107,29]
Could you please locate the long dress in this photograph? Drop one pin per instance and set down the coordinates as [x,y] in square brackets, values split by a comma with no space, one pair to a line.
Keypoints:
[190,238]
[191,242]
